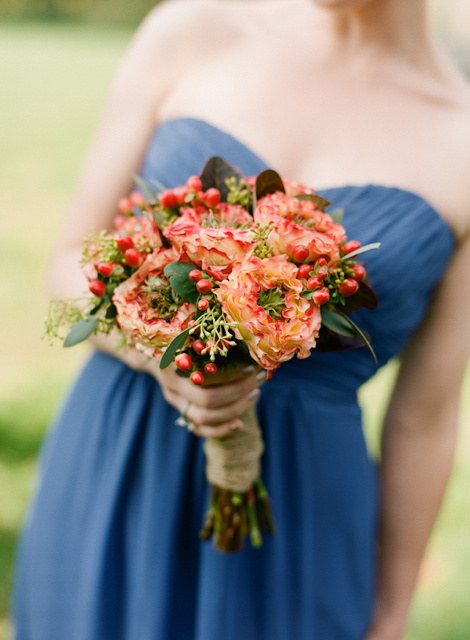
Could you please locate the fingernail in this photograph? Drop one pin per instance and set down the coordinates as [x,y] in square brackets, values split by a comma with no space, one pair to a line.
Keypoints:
[253,394]
[248,369]
[261,376]
[236,426]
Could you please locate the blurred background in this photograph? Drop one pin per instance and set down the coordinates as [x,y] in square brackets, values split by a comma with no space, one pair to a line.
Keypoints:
[57,59]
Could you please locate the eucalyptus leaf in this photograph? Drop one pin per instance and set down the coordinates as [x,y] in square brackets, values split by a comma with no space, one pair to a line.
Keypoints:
[144,187]
[340,323]
[176,344]
[177,274]
[322,203]
[215,173]
[81,331]
[268,181]
[356,252]
[364,297]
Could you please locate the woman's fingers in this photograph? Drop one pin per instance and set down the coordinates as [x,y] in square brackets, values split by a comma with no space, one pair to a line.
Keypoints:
[218,415]
[219,431]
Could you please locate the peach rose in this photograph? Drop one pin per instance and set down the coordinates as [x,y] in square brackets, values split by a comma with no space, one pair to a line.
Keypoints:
[149,313]
[213,239]
[273,320]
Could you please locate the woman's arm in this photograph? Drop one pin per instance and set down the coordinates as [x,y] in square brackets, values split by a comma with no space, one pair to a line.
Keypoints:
[145,78]
[418,444]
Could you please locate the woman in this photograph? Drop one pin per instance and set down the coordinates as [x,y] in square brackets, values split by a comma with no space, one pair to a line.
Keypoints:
[327,92]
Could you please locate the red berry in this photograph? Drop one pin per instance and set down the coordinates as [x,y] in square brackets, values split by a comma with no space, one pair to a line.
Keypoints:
[204,286]
[348,287]
[196,377]
[105,269]
[304,271]
[322,273]
[133,257]
[194,183]
[183,362]
[124,205]
[210,368]
[97,288]
[195,275]
[168,200]
[359,271]
[137,199]
[321,296]
[198,346]
[203,304]
[314,283]
[181,193]
[125,243]
[350,246]
[212,197]
[321,262]
[300,253]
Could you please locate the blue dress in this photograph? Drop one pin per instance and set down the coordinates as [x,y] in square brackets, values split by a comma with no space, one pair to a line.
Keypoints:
[111,550]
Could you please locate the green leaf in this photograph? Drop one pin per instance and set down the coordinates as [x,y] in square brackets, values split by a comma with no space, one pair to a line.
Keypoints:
[268,181]
[81,331]
[340,323]
[214,174]
[322,203]
[176,344]
[143,186]
[366,247]
[307,295]
[177,274]
[337,215]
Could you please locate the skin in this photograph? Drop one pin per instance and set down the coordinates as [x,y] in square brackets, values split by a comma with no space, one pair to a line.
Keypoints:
[343,76]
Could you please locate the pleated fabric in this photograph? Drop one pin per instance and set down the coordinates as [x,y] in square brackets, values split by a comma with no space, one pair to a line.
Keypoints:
[110,550]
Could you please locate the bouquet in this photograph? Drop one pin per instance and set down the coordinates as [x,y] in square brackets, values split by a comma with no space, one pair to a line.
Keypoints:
[217,273]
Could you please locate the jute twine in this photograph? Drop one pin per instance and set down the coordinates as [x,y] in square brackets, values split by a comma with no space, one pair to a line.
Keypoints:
[234,462]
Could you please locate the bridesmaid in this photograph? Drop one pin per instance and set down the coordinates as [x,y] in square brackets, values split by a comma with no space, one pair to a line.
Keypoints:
[329,92]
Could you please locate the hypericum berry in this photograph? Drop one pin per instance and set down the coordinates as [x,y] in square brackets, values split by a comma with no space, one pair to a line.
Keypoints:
[212,197]
[204,286]
[304,271]
[196,377]
[348,287]
[124,205]
[105,269]
[321,296]
[125,243]
[168,200]
[321,262]
[359,272]
[97,288]
[180,193]
[183,362]
[210,368]
[133,257]
[194,183]
[322,273]
[195,275]
[198,346]
[300,253]
[350,246]
[137,199]
[203,304]
[314,283]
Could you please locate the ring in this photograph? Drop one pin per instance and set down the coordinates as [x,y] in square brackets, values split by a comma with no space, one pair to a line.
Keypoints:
[184,413]
[184,422]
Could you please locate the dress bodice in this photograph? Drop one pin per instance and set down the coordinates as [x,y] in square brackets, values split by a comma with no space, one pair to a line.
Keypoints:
[416,244]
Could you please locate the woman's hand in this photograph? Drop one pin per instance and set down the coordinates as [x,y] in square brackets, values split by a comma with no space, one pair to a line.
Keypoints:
[215,407]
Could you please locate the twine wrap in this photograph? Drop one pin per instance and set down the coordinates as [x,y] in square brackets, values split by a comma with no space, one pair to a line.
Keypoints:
[234,462]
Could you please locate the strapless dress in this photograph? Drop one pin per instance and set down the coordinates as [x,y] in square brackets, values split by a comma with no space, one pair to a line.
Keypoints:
[110,550]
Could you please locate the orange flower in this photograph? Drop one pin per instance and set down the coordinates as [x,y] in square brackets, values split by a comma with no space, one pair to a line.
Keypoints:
[273,320]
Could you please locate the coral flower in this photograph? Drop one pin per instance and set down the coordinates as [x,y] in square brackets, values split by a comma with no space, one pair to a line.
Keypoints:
[299,222]
[213,239]
[275,322]
[149,313]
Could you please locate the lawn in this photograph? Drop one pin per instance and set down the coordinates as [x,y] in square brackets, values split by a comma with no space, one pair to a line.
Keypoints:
[55,79]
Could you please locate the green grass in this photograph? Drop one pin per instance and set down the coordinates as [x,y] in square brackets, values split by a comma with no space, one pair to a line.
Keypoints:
[55,79]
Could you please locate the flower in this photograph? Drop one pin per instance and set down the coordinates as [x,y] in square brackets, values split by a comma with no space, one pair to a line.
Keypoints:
[299,222]
[262,296]
[213,239]
[143,233]
[150,314]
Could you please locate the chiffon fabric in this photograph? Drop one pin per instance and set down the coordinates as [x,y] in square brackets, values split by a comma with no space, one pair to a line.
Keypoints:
[110,550]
